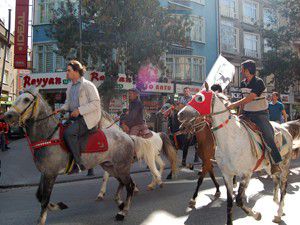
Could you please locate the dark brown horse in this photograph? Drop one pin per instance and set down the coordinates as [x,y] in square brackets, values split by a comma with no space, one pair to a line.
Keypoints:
[205,149]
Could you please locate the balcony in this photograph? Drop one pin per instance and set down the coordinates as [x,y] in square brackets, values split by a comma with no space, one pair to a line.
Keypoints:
[227,12]
[229,49]
[251,53]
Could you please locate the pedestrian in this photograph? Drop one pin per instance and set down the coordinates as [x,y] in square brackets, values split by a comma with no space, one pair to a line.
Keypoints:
[276,109]
[255,108]
[4,129]
[187,139]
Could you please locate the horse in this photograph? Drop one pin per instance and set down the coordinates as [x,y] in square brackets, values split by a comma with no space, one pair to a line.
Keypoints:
[239,152]
[41,126]
[205,149]
[147,149]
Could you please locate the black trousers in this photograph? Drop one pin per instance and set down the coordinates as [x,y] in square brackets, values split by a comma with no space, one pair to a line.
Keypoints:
[72,134]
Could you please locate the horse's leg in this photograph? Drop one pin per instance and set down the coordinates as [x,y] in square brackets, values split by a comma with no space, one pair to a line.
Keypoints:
[102,192]
[118,197]
[127,181]
[192,202]
[276,181]
[283,186]
[234,181]
[213,178]
[44,193]
[149,158]
[161,167]
[229,187]
[239,198]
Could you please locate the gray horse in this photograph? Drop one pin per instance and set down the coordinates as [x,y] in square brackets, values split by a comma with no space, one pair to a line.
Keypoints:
[32,111]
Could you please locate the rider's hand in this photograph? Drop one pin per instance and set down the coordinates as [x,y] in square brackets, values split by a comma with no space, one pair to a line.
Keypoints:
[231,106]
[75,113]
[56,111]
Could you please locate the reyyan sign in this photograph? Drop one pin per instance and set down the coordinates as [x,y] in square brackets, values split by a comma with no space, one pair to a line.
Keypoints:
[21,34]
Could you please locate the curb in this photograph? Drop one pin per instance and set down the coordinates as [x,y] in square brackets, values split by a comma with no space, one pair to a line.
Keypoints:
[3,187]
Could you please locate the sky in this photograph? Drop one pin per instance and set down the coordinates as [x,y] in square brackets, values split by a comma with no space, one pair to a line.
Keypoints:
[4,6]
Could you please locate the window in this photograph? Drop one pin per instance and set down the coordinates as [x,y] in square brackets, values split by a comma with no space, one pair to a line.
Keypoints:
[252,45]
[202,2]
[198,29]
[229,37]
[270,20]
[190,68]
[229,8]
[7,57]
[45,10]
[46,59]
[250,12]
[266,46]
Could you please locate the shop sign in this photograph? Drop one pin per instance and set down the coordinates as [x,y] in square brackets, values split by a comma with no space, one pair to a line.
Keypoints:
[159,87]
[59,81]
[193,88]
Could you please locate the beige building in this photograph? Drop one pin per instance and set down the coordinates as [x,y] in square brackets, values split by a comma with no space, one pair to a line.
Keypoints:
[9,79]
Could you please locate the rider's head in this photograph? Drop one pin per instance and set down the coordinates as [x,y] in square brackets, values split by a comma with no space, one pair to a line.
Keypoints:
[248,68]
[75,70]
[133,94]
[187,91]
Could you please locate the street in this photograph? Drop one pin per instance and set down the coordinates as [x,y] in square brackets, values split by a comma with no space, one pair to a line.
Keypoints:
[167,205]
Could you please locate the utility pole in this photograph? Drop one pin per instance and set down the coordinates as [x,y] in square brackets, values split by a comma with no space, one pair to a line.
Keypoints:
[7,36]
[80,31]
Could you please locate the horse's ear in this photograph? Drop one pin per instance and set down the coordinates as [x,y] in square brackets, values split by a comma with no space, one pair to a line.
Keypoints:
[206,86]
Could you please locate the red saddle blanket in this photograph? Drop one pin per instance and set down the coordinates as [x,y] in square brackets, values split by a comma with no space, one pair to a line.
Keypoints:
[96,141]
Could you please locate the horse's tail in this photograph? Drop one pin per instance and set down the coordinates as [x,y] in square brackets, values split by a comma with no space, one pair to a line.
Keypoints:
[294,129]
[169,150]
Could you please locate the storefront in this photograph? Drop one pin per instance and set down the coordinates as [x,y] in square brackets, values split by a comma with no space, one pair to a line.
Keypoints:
[52,87]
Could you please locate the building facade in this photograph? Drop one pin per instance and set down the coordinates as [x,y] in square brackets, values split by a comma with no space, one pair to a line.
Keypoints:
[9,85]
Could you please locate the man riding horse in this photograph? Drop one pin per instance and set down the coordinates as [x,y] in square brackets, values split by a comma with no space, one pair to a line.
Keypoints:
[83,101]
[255,107]
[134,123]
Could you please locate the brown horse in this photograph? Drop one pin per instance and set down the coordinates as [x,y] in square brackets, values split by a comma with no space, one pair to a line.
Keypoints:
[205,150]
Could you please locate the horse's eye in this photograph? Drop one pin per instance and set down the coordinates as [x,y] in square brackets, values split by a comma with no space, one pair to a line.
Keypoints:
[199,98]
[26,100]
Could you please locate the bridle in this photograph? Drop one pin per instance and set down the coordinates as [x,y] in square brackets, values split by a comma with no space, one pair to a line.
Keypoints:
[31,109]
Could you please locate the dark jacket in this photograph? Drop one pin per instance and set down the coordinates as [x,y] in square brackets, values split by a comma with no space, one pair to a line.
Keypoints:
[135,114]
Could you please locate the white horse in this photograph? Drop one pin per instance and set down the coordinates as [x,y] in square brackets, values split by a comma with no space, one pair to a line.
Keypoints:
[238,149]
[148,150]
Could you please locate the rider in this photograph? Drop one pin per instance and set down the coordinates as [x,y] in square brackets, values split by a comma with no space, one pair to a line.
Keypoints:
[255,107]
[134,122]
[83,101]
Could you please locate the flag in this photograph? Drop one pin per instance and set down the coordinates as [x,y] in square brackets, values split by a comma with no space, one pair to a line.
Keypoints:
[221,73]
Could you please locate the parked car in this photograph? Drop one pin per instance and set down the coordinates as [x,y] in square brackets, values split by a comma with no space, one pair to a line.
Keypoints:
[15,132]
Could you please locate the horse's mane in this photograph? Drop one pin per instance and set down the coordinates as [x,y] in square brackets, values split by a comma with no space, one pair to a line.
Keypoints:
[106,116]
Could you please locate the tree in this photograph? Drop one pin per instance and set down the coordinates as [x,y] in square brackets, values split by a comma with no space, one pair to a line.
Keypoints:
[118,32]
[282,60]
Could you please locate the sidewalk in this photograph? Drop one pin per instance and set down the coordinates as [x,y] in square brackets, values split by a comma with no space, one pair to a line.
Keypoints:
[18,169]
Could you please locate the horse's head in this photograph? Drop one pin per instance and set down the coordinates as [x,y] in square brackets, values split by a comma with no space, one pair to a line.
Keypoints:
[204,103]
[24,108]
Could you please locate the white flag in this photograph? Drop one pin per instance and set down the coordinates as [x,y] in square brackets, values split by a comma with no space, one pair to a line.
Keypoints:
[221,73]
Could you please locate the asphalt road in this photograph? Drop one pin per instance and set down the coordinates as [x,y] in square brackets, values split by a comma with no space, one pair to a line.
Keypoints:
[167,205]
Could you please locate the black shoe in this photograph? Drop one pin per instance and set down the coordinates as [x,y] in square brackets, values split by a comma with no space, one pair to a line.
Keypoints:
[6,147]
[81,167]
[90,172]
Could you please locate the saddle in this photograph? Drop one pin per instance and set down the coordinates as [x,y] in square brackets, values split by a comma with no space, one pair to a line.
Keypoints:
[94,141]
[141,131]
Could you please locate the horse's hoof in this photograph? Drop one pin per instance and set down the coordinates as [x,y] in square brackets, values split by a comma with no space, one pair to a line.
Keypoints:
[120,217]
[121,206]
[150,188]
[218,194]
[277,219]
[257,216]
[192,203]
[99,198]
[169,177]
[161,185]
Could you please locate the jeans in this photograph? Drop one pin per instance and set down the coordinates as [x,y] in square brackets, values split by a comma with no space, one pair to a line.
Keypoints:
[261,119]
[72,134]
